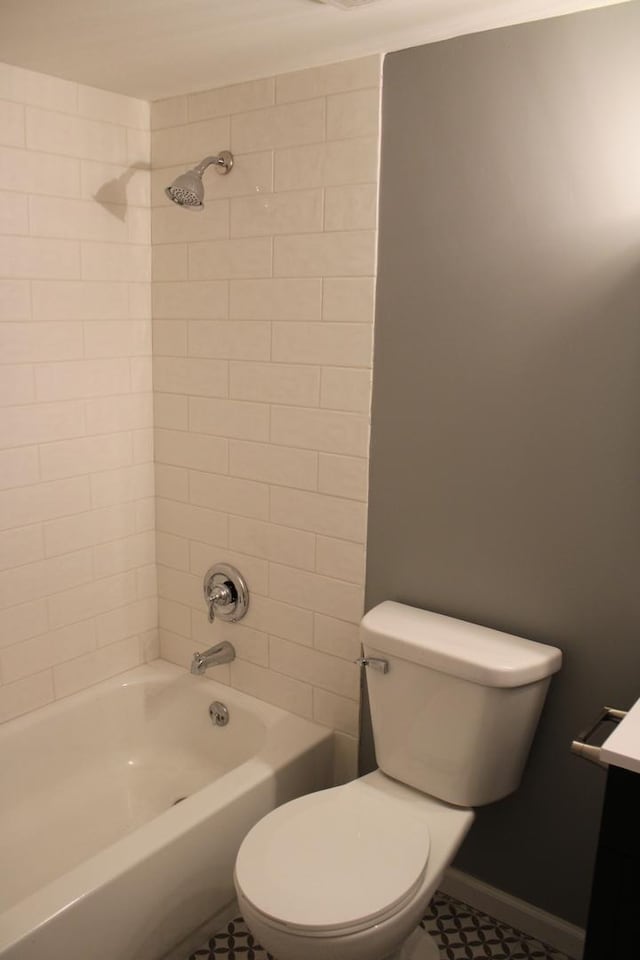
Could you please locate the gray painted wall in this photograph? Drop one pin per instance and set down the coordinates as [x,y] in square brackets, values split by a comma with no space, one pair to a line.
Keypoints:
[505,468]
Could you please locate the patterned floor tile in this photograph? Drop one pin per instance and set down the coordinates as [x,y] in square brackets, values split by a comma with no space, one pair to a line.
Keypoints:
[461,933]
[235,942]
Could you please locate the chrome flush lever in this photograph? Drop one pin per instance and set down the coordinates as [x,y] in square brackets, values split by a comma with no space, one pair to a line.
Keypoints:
[376,663]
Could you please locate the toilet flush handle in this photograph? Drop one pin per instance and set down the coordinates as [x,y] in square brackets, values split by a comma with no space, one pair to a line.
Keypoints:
[376,663]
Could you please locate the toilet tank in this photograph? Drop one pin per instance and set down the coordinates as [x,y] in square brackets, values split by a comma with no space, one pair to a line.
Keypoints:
[456,711]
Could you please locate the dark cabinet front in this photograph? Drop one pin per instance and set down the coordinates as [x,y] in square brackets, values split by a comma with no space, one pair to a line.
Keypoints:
[612,930]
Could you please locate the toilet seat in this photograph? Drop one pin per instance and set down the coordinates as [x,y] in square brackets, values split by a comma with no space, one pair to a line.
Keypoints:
[334,862]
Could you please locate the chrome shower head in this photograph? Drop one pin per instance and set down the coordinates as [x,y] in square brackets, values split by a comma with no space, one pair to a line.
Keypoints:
[187,190]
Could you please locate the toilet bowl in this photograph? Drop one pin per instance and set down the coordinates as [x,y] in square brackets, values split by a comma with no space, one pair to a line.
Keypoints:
[370,854]
[347,873]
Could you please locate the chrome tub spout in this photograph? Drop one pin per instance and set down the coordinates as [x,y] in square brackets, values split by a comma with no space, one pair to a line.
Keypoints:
[221,653]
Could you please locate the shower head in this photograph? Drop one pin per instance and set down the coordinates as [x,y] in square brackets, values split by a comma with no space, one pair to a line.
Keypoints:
[187,190]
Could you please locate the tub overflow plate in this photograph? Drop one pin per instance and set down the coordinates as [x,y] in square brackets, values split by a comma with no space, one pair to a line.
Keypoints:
[219,714]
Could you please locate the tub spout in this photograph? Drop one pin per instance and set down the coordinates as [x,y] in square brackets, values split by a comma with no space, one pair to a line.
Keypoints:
[221,653]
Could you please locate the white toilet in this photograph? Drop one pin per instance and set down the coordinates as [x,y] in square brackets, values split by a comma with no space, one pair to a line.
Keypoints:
[347,873]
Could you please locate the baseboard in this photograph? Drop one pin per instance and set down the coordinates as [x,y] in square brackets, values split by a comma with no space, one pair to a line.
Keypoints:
[543,926]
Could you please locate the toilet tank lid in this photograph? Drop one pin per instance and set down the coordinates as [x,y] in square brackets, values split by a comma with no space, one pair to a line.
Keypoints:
[456,647]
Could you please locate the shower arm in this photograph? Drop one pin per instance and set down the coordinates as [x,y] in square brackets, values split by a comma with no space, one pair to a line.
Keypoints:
[222,162]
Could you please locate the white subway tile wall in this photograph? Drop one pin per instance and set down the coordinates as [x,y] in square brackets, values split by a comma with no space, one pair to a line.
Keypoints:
[262,310]
[78,596]
[262,324]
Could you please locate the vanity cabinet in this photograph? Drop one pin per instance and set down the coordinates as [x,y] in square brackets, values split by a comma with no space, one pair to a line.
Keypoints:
[612,931]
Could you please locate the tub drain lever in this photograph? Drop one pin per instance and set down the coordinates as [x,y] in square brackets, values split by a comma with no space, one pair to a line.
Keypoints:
[219,714]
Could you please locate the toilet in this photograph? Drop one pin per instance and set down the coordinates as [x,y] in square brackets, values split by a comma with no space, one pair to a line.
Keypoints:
[347,873]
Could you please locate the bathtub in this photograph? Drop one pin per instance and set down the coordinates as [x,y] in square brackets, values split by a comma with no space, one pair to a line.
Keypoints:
[101,858]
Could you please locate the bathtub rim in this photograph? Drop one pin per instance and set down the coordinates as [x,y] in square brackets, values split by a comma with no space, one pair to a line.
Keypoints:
[158,670]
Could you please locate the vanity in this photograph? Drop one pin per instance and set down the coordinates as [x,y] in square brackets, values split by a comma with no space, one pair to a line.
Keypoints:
[611,929]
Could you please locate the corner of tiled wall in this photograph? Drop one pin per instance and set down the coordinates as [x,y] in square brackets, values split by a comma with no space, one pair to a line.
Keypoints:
[262,333]
[78,596]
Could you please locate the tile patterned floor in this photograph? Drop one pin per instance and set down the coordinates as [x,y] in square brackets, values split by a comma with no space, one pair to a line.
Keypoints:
[461,933]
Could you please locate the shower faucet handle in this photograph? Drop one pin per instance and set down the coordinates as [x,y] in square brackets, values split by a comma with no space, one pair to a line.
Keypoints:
[225,592]
[220,595]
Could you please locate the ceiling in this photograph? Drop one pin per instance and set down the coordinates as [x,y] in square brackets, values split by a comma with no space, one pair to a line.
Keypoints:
[158,48]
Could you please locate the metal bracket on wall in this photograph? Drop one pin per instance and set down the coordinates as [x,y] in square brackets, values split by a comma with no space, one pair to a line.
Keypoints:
[582,748]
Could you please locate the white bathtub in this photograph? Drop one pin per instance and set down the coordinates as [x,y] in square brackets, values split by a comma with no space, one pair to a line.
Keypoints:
[95,861]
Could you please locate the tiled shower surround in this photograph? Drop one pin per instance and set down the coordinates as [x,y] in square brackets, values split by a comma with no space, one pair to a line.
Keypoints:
[262,349]
[262,332]
[77,565]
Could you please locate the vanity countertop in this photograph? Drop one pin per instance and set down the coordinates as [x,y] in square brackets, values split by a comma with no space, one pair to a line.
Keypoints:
[622,747]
